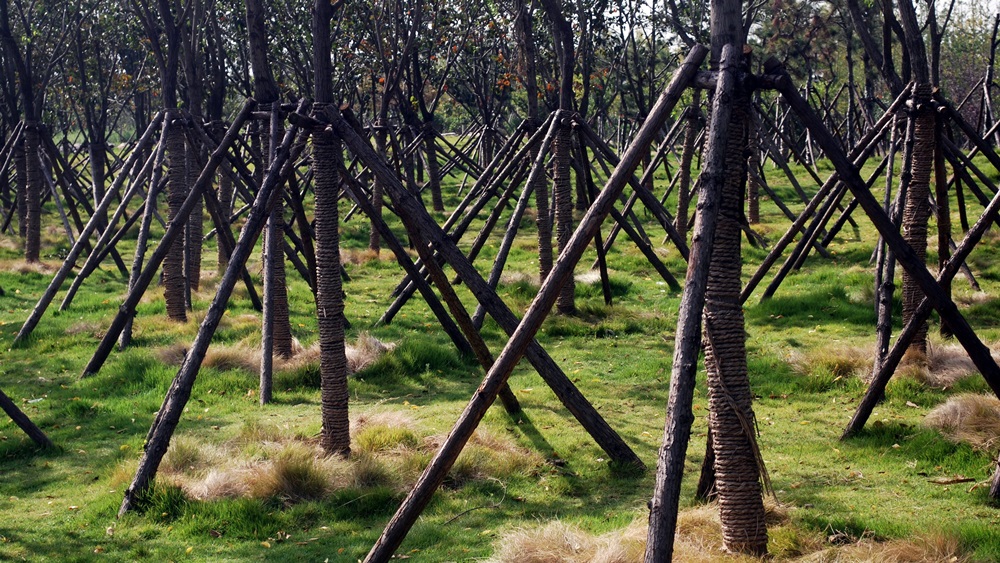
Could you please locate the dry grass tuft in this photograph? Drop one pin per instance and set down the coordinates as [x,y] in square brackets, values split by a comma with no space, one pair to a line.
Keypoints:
[589,277]
[365,350]
[295,474]
[90,328]
[970,418]
[220,357]
[933,548]
[22,267]
[972,298]
[11,243]
[941,366]
[262,461]
[840,361]
[699,540]
[358,256]
[488,456]
[511,278]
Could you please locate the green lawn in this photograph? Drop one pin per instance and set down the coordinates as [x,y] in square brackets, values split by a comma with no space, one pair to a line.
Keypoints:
[803,345]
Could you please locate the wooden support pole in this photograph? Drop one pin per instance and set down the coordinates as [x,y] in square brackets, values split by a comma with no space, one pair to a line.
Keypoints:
[687,341]
[647,197]
[94,259]
[415,216]
[463,225]
[432,477]
[465,336]
[167,418]
[24,422]
[865,147]
[881,378]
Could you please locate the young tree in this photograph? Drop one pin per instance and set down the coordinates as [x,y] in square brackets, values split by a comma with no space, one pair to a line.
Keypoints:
[917,209]
[737,469]
[34,54]
[327,169]
[277,337]
[164,30]
[562,144]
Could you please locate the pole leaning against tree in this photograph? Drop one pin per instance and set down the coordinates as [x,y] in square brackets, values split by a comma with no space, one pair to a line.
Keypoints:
[74,253]
[905,255]
[878,384]
[175,228]
[687,342]
[158,438]
[432,477]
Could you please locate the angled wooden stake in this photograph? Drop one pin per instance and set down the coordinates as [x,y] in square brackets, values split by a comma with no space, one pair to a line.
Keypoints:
[438,468]
[687,342]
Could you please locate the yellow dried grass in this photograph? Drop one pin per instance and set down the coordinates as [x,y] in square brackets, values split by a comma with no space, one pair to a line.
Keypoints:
[699,540]
[970,418]
[365,350]
[261,461]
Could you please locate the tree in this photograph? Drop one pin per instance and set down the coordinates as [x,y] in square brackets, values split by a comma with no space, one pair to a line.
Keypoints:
[34,54]
[164,30]
[737,463]
[562,144]
[277,335]
[917,209]
[327,164]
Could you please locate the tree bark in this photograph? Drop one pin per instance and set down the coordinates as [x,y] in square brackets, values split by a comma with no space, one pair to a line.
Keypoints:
[174,281]
[917,210]
[738,464]
[335,437]
[33,193]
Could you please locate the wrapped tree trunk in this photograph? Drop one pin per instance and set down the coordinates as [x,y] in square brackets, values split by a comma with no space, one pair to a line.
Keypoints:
[737,471]
[335,437]
[33,194]
[917,211]
[174,281]
[737,478]
[562,186]
[562,35]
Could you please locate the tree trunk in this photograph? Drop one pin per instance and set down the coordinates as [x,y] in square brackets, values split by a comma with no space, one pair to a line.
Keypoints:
[174,282]
[741,508]
[226,188]
[21,179]
[335,437]
[433,168]
[687,156]
[917,210]
[374,242]
[33,194]
[195,228]
[731,418]
[276,292]
[561,185]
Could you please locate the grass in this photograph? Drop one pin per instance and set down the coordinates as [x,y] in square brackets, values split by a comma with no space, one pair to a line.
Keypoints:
[244,482]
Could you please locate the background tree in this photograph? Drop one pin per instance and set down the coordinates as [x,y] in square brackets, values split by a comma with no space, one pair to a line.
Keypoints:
[34,51]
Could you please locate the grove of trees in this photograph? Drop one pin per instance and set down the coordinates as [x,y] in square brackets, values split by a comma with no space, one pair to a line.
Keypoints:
[272,118]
